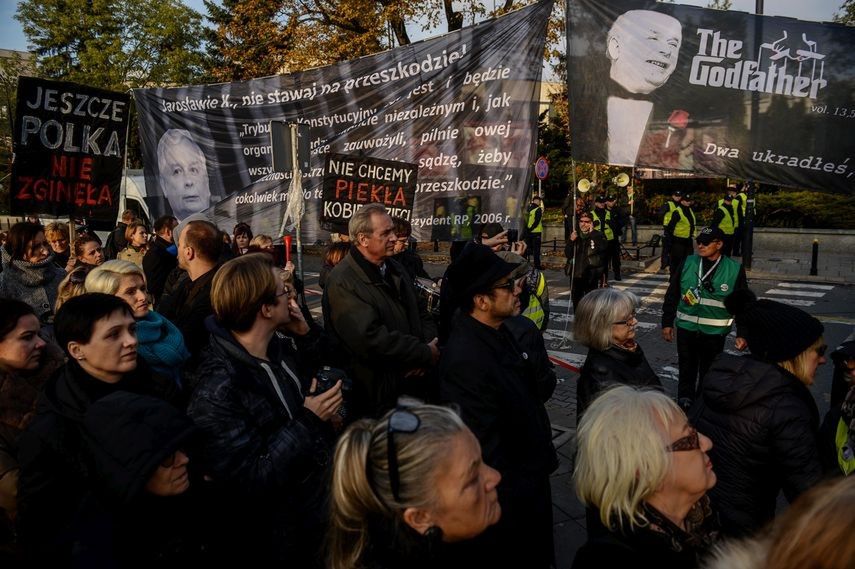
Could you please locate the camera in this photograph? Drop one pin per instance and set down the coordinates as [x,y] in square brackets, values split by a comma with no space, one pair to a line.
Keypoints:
[327,377]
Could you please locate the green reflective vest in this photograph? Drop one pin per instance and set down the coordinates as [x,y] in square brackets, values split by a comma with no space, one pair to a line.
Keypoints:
[743,201]
[845,458]
[709,315]
[684,229]
[531,215]
[535,310]
[671,207]
[603,224]
[728,223]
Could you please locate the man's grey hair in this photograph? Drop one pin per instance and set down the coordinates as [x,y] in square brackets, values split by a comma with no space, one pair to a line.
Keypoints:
[597,310]
[361,221]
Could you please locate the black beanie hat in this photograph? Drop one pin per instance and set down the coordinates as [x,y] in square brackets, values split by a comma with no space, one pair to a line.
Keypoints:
[775,332]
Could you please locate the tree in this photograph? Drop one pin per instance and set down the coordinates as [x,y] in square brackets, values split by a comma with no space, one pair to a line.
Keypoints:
[720,4]
[114,44]
[10,68]
[846,15]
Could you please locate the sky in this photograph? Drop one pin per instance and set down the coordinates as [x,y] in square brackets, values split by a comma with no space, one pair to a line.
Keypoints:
[12,36]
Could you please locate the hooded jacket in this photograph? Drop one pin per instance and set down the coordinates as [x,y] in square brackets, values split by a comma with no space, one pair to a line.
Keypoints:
[67,494]
[267,456]
[763,422]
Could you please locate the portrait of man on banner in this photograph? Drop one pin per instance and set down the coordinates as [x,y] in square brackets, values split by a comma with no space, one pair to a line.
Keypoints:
[183,173]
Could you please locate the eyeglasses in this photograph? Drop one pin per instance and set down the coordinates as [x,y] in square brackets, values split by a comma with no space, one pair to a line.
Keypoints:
[401,421]
[626,322]
[820,350]
[690,442]
[511,285]
[285,291]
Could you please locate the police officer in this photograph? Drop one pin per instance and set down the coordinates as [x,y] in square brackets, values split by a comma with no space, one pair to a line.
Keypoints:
[695,300]
[534,230]
[602,218]
[586,258]
[725,219]
[740,204]
[665,213]
[682,228]
[617,223]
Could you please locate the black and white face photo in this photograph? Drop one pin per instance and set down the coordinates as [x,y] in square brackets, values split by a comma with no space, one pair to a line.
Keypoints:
[643,47]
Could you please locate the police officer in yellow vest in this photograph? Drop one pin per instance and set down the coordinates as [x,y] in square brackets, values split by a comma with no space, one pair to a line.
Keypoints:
[682,228]
[665,213]
[725,219]
[602,218]
[534,297]
[534,230]
[740,204]
[695,301]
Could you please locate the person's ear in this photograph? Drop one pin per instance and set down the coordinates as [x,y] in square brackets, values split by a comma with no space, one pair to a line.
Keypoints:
[418,519]
[613,49]
[75,349]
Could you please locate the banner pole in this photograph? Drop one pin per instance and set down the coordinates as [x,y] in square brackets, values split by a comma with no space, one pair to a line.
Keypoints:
[298,187]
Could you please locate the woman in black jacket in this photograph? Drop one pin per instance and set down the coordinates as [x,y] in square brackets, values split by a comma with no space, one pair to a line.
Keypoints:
[605,322]
[760,414]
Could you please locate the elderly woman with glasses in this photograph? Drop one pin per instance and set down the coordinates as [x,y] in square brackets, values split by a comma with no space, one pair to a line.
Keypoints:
[605,322]
[760,413]
[29,273]
[643,472]
[409,490]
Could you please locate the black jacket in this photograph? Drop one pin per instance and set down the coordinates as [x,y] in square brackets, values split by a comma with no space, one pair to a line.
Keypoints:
[381,326]
[763,422]
[494,382]
[187,308]
[587,255]
[412,262]
[69,490]
[607,368]
[157,264]
[115,241]
[266,455]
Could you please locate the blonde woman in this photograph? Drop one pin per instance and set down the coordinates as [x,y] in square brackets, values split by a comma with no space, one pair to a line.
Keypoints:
[74,284]
[760,413]
[643,472]
[408,489]
[161,344]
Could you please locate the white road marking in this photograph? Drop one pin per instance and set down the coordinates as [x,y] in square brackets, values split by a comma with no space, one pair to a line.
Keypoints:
[796,293]
[791,301]
[805,285]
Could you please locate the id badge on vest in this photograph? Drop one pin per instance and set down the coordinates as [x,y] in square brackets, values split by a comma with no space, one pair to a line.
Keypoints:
[692,296]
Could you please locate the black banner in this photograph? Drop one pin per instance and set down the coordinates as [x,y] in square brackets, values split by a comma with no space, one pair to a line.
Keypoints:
[350,182]
[710,91]
[69,143]
[463,107]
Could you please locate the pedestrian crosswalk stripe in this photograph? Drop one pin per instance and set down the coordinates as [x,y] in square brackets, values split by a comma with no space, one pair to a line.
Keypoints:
[808,286]
[796,293]
[791,301]
[643,290]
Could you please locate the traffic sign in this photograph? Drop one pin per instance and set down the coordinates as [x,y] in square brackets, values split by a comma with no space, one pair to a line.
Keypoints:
[541,168]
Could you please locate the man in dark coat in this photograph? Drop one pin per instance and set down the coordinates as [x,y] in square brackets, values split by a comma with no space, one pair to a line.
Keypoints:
[158,262]
[268,439]
[116,239]
[370,308]
[199,247]
[586,253]
[492,378]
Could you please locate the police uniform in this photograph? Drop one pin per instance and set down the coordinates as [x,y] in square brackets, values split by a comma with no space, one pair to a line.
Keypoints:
[603,223]
[682,227]
[534,231]
[725,219]
[740,205]
[665,212]
[694,304]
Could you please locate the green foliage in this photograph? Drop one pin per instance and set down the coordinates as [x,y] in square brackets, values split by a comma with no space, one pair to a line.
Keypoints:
[808,209]
[114,44]
[846,15]
[10,68]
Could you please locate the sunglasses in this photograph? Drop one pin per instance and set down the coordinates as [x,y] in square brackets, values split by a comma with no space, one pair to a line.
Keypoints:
[820,350]
[401,421]
[510,285]
[690,442]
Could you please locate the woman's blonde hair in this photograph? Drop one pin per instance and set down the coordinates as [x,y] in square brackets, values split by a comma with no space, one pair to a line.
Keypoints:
[622,452]
[360,484]
[261,241]
[592,325]
[239,289]
[798,366]
[73,284]
[107,277]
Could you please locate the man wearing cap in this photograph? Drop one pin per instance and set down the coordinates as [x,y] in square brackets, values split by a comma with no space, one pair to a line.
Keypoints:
[370,307]
[493,379]
[534,229]
[695,300]
[617,230]
[602,218]
[740,205]
[665,212]
[725,219]
[682,228]
[586,252]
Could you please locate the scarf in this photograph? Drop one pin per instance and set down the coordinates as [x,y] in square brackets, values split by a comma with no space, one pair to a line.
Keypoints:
[161,345]
[698,535]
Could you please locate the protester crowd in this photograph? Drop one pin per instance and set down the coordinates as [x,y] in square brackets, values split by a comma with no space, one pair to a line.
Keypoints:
[168,399]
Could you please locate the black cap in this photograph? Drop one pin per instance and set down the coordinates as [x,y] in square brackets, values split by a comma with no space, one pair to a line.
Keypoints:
[600,199]
[610,198]
[728,197]
[475,270]
[677,193]
[687,197]
[710,234]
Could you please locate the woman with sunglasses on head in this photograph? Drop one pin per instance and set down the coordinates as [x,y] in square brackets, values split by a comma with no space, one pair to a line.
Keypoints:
[29,273]
[90,456]
[643,472]
[161,344]
[606,323]
[409,490]
[760,413]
